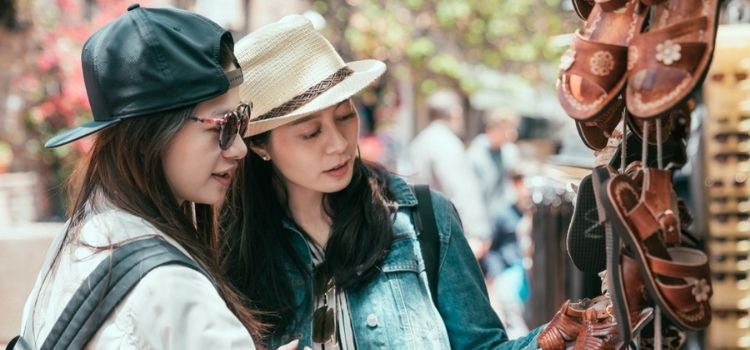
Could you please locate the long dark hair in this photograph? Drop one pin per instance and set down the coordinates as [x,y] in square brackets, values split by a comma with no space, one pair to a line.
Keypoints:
[256,244]
[125,168]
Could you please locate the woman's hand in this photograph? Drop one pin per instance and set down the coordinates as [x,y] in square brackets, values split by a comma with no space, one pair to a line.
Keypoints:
[292,346]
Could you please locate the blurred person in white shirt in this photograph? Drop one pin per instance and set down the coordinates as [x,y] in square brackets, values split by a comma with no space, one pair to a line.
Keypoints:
[439,158]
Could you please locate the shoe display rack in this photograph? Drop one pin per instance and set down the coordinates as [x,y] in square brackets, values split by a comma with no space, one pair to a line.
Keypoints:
[726,136]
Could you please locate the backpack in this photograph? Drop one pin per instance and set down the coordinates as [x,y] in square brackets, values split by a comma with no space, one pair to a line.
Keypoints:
[103,290]
[429,242]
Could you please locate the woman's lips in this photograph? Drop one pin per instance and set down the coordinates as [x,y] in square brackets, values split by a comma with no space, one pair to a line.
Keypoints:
[223,178]
[339,170]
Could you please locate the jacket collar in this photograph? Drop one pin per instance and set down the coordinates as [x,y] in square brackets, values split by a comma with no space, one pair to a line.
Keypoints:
[401,191]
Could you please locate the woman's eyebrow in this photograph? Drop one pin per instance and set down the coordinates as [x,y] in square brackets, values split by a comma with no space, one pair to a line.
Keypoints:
[342,103]
[306,118]
[301,120]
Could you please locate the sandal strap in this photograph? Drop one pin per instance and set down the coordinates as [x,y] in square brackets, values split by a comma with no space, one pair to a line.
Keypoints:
[611,5]
[665,224]
[608,119]
[600,63]
[685,263]
[597,333]
[652,2]
[661,48]
[674,31]
[657,197]
[689,265]
[561,328]
[682,297]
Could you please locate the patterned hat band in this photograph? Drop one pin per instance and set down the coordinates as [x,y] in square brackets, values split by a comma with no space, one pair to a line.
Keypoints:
[309,95]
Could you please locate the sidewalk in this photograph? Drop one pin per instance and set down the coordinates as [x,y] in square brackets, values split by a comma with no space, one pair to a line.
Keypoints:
[22,250]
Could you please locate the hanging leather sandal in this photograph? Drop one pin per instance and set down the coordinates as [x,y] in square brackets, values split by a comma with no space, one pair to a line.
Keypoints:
[667,63]
[564,326]
[677,278]
[592,70]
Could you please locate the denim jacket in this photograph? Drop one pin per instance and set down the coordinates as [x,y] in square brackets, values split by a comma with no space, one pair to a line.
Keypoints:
[395,310]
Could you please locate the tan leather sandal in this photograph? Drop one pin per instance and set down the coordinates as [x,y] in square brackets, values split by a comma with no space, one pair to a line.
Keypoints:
[564,326]
[599,330]
[677,278]
[592,70]
[667,63]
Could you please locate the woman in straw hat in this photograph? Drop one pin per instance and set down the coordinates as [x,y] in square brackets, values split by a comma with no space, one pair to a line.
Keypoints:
[324,243]
[162,88]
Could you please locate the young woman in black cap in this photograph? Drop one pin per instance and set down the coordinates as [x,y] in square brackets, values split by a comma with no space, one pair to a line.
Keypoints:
[162,88]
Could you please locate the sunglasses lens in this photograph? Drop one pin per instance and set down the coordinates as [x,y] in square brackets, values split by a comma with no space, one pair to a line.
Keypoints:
[323,324]
[228,131]
[243,113]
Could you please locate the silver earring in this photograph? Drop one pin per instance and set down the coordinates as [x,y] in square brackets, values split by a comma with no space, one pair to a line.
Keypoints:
[266,158]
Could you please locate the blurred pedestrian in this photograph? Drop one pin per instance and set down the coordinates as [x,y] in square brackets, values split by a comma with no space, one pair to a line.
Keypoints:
[495,158]
[439,158]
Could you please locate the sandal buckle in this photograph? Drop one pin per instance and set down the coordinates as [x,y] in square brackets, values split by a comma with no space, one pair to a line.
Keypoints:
[669,225]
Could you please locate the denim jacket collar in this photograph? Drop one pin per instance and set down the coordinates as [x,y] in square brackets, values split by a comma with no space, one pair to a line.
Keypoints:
[401,191]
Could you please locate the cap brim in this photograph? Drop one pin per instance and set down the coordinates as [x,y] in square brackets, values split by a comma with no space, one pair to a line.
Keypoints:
[365,72]
[79,132]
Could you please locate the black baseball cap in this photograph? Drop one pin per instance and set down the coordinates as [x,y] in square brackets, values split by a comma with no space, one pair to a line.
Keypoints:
[150,60]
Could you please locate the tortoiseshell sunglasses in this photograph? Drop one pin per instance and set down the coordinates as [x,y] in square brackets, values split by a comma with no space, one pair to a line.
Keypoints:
[233,123]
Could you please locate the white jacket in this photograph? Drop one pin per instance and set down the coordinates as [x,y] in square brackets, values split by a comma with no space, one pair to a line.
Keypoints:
[172,307]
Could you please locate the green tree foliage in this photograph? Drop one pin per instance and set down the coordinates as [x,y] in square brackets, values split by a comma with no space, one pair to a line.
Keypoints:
[448,42]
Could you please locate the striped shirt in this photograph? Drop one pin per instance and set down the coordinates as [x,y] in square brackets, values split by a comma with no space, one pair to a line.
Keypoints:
[344,339]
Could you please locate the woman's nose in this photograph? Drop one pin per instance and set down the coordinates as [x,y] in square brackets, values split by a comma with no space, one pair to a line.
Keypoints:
[237,150]
[337,142]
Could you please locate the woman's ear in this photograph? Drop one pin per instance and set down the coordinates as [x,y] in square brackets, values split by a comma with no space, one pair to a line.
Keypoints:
[260,151]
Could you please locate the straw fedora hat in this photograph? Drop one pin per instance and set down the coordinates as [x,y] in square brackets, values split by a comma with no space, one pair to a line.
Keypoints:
[290,71]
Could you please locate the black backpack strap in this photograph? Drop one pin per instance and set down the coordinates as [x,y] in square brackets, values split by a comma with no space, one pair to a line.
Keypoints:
[106,286]
[429,241]
[18,343]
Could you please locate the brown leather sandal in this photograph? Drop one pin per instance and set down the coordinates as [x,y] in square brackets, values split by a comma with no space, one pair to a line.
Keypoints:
[599,330]
[564,326]
[567,324]
[678,279]
[592,71]
[669,61]
[596,132]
